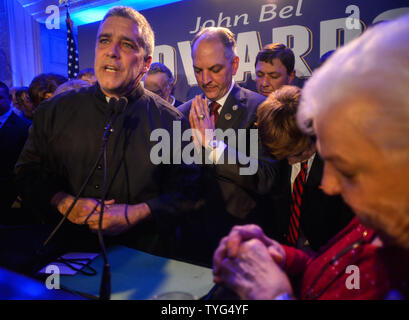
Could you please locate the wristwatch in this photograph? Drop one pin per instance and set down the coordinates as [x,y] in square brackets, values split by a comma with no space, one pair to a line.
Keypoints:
[213,144]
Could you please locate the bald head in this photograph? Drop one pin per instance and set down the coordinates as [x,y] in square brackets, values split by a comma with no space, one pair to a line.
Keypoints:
[214,61]
[217,34]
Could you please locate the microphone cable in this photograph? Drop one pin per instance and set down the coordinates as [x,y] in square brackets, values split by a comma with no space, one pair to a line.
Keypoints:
[115,107]
[111,108]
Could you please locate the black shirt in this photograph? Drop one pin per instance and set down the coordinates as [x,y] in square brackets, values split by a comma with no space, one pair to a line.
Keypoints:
[66,138]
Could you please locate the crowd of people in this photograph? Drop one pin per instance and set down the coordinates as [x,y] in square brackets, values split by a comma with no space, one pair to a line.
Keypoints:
[331,186]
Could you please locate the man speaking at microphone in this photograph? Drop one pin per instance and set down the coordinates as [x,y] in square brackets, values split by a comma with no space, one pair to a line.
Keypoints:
[143,200]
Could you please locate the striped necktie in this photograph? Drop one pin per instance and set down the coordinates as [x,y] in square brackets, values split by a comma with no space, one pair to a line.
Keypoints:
[295,209]
[214,106]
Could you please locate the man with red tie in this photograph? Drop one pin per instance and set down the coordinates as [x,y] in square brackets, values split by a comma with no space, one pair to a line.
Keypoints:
[361,128]
[229,198]
[302,214]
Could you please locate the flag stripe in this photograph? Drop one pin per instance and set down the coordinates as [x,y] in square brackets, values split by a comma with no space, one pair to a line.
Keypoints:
[73,63]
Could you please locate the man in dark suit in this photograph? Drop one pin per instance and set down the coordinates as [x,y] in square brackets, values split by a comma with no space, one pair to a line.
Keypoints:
[13,134]
[159,80]
[229,197]
[322,216]
[304,216]
[274,68]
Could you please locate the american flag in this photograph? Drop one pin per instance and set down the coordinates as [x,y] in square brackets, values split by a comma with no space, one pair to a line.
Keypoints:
[73,61]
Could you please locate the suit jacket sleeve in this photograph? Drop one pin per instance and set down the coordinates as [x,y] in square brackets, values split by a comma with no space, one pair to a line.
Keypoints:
[179,185]
[179,194]
[257,174]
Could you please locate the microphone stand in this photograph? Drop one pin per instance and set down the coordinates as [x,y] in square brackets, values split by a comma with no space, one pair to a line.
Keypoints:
[112,103]
[105,289]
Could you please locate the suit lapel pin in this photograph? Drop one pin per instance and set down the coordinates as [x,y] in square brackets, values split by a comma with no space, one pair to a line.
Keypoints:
[227,116]
[235,107]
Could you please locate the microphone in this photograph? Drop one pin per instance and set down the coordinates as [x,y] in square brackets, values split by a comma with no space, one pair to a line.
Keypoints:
[121,104]
[115,107]
[111,110]
[111,106]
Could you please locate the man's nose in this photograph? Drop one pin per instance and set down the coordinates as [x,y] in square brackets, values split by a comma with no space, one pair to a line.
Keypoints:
[264,82]
[206,77]
[113,50]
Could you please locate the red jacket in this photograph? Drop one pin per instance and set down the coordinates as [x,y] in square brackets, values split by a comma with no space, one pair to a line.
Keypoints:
[377,271]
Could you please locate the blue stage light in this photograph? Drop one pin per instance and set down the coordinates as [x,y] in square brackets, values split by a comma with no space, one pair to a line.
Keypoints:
[90,15]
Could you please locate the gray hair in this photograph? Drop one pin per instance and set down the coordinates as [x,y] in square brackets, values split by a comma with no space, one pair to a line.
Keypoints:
[146,36]
[71,85]
[224,35]
[373,66]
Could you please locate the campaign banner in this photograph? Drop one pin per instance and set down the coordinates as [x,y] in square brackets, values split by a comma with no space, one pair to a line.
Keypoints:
[309,27]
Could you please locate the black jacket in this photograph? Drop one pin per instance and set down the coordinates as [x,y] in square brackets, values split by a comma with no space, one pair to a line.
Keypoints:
[65,141]
[322,216]
[229,198]
[13,135]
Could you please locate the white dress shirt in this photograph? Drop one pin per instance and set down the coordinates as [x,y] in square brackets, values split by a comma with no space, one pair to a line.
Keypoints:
[217,152]
[296,168]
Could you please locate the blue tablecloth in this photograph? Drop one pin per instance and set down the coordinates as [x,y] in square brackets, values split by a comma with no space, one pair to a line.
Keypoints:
[138,275]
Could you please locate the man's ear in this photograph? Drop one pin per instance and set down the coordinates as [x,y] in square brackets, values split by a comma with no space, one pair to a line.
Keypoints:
[235,64]
[147,64]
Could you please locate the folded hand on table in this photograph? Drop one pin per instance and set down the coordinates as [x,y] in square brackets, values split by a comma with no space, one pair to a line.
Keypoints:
[250,263]
[117,218]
